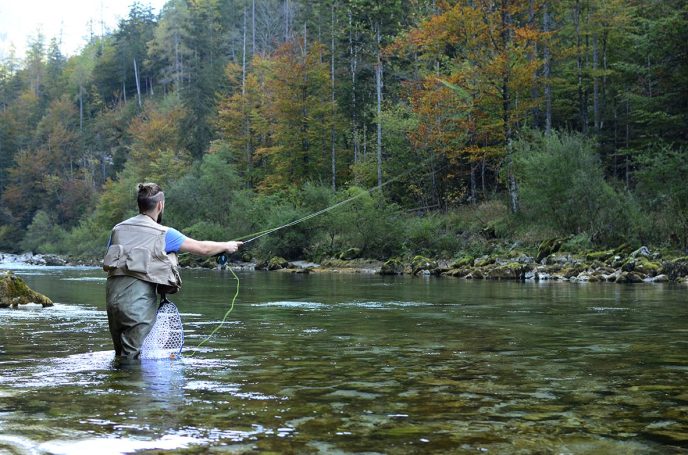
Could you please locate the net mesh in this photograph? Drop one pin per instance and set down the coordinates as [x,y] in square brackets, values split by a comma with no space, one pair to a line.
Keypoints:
[166,338]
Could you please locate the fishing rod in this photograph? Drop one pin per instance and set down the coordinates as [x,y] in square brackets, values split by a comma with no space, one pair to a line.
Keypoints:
[222,258]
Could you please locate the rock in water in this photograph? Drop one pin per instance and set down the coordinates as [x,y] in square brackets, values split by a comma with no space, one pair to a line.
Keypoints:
[14,291]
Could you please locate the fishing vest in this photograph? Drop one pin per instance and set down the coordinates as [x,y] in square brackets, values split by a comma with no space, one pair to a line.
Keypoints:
[137,249]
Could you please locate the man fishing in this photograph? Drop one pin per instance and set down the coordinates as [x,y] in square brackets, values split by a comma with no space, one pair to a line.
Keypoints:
[141,262]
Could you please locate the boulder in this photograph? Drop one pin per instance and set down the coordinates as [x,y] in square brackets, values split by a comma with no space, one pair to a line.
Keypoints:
[601,256]
[351,253]
[393,266]
[647,267]
[277,263]
[548,247]
[676,268]
[484,261]
[464,261]
[14,291]
[629,277]
[509,271]
[422,264]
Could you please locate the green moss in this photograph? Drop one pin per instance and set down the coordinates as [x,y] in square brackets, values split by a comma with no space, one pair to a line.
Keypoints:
[601,256]
[276,263]
[14,291]
[647,267]
[420,263]
[393,266]
[463,261]
[484,261]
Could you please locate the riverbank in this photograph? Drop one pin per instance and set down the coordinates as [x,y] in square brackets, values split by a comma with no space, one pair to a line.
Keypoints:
[548,263]
[620,265]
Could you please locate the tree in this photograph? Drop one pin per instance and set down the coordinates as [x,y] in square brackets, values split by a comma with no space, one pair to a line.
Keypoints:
[483,50]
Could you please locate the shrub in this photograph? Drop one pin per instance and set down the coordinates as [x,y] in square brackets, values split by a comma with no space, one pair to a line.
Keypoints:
[562,185]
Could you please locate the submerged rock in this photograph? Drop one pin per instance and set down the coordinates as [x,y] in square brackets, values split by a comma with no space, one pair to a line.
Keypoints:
[14,291]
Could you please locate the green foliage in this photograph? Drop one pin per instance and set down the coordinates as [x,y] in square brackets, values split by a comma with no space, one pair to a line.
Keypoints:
[664,194]
[563,186]
[42,235]
[210,201]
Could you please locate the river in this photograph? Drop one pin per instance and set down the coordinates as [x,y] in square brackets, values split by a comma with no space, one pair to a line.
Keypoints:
[343,363]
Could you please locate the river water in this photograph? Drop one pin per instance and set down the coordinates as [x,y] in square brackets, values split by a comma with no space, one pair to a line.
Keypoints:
[335,363]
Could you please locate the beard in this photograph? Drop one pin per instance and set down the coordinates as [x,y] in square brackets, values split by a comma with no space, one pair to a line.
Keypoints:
[159,220]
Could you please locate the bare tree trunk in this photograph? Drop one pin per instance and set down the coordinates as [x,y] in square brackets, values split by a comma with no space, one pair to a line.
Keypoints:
[253,28]
[547,70]
[628,141]
[378,89]
[286,21]
[532,56]
[596,84]
[243,60]
[247,126]
[332,132]
[506,111]
[138,84]
[474,183]
[81,107]
[579,65]
[353,54]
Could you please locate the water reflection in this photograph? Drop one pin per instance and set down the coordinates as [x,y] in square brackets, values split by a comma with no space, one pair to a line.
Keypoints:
[160,382]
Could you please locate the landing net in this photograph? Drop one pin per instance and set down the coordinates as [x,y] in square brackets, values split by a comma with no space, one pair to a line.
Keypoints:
[166,338]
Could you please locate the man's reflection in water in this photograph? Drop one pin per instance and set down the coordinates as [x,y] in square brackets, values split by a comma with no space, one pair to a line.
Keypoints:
[155,385]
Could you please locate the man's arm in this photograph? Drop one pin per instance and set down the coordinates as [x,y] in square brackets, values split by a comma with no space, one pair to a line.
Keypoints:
[208,247]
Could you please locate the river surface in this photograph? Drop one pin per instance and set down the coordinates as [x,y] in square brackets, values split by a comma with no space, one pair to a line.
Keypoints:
[341,364]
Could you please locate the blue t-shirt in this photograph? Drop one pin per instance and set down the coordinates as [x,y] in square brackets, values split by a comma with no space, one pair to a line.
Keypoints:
[173,240]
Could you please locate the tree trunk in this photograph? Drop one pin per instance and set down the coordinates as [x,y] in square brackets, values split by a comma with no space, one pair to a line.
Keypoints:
[138,84]
[474,183]
[506,110]
[353,54]
[332,132]
[596,84]
[253,28]
[378,90]
[579,65]
[81,107]
[547,70]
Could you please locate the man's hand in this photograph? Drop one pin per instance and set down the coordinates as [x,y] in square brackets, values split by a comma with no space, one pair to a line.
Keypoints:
[232,247]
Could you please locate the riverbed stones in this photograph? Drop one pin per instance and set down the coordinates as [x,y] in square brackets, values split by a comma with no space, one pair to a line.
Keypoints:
[14,291]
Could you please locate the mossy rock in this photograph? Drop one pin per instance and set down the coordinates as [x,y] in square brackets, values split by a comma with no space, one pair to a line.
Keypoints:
[676,268]
[624,249]
[421,263]
[393,266]
[629,277]
[351,253]
[602,256]
[571,271]
[484,261]
[14,291]
[277,263]
[457,273]
[508,271]
[647,267]
[463,261]
[548,247]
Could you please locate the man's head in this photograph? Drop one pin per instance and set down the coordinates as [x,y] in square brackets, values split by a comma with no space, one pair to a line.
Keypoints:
[150,197]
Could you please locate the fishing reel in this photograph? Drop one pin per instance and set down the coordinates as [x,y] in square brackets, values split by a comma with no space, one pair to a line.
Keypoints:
[221,259]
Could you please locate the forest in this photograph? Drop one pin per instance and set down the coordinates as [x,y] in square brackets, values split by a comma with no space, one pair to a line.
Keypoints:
[453,126]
